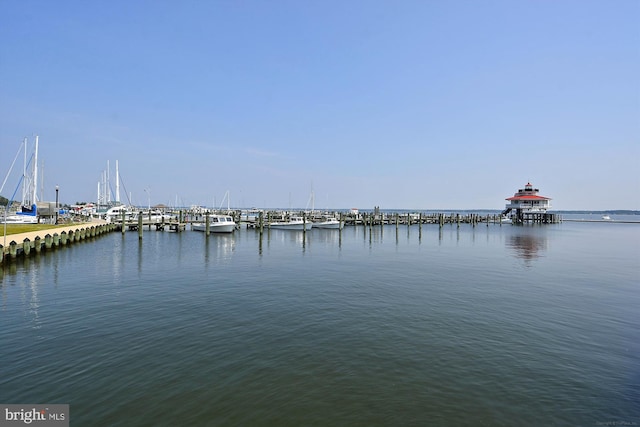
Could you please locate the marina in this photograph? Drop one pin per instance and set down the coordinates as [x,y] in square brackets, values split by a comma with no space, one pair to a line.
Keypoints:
[525,207]
[320,214]
[132,220]
[287,312]
[123,220]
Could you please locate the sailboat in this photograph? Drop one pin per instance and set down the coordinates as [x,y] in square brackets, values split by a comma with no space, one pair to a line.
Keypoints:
[28,213]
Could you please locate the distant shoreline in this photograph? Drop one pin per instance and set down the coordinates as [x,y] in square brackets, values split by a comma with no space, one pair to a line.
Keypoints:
[608,221]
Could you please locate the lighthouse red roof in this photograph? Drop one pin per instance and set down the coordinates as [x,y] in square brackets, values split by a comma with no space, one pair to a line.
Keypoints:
[528,193]
[528,197]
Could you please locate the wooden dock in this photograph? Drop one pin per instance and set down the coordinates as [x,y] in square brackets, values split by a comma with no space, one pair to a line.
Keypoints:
[171,222]
[161,225]
[177,220]
[391,218]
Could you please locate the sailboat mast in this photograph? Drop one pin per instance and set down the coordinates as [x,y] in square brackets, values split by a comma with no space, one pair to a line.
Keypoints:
[117,184]
[24,174]
[312,200]
[35,174]
[108,185]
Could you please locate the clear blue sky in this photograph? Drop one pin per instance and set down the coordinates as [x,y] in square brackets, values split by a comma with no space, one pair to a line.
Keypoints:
[398,104]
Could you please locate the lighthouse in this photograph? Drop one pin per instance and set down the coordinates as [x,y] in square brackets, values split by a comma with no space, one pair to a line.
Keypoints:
[529,206]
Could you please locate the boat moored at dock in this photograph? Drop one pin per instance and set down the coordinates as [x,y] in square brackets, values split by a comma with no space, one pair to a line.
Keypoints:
[329,223]
[294,223]
[217,224]
[25,216]
[115,213]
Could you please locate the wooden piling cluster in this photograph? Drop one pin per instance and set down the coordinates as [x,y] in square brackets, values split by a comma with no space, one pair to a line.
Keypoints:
[50,239]
[370,219]
[538,218]
[177,220]
[160,224]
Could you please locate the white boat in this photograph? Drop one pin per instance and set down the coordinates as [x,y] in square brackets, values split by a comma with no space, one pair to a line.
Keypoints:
[606,218]
[217,224]
[22,217]
[250,215]
[329,222]
[294,223]
[153,216]
[114,214]
[505,220]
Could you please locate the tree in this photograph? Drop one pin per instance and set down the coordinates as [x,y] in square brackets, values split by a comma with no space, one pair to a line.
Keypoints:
[3,201]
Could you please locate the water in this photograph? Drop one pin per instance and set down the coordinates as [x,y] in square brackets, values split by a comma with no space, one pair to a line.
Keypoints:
[496,326]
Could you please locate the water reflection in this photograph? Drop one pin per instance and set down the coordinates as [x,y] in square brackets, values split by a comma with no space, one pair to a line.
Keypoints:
[375,234]
[139,256]
[206,251]
[327,236]
[296,237]
[25,274]
[529,245]
[224,246]
[34,301]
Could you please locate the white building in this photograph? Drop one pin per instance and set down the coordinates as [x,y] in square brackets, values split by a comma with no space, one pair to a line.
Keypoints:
[527,199]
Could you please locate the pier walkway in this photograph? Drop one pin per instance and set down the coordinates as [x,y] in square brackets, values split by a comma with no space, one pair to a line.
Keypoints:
[13,245]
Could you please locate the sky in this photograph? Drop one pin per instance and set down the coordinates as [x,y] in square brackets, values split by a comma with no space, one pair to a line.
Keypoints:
[398,104]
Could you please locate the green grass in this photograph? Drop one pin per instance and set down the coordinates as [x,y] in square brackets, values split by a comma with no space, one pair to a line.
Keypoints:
[25,228]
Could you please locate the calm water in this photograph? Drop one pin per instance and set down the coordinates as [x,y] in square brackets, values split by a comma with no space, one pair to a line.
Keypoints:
[496,326]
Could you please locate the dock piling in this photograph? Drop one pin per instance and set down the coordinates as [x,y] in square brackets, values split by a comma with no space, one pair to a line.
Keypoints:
[304,224]
[26,246]
[13,249]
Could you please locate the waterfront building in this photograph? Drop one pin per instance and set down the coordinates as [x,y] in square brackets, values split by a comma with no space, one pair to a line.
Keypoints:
[527,205]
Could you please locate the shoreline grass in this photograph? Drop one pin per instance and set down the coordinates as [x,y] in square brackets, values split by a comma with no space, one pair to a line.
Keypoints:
[26,228]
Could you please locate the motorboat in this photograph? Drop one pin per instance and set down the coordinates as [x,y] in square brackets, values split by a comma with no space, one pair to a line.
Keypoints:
[505,220]
[115,213]
[217,224]
[154,216]
[251,215]
[329,222]
[294,223]
[606,218]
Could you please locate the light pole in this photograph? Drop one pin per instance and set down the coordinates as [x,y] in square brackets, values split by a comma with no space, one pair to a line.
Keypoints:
[57,210]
